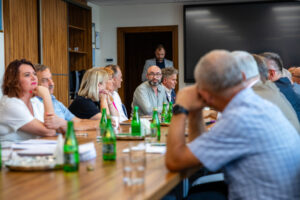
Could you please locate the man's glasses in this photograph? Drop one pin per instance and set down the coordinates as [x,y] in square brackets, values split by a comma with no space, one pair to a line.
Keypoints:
[155,74]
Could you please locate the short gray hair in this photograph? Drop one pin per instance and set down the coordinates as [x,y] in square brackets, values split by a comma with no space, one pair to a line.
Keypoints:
[167,72]
[246,63]
[262,67]
[218,70]
[41,67]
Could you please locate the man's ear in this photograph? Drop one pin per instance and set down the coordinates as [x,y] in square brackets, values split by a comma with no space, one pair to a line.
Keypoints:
[272,74]
[163,80]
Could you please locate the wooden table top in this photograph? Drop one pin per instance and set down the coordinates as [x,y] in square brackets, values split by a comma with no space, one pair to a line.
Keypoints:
[105,181]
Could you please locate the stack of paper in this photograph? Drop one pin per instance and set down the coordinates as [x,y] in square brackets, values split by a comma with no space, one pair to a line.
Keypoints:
[37,147]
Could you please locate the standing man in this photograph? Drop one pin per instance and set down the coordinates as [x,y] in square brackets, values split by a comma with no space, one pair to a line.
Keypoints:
[151,93]
[169,81]
[117,78]
[250,131]
[159,61]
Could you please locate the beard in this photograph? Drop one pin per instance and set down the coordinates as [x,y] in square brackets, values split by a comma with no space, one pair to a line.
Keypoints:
[152,83]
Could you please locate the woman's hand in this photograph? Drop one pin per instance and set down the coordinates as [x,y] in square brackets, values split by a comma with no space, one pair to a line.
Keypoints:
[41,91]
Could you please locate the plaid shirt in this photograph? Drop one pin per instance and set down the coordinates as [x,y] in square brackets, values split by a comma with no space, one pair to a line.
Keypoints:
[258,149]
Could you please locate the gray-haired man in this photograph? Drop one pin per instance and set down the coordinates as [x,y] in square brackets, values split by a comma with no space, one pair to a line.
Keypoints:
[253,142]
[169,81]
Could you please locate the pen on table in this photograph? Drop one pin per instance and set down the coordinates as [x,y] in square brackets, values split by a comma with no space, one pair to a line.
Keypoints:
[210,122]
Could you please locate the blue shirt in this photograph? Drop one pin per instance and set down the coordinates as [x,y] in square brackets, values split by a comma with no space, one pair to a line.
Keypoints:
[59,109]
[296,88]
[257,148]
[285,86]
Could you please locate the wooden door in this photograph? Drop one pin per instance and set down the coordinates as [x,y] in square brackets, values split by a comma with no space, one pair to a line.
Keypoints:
[135,45]
[138,48]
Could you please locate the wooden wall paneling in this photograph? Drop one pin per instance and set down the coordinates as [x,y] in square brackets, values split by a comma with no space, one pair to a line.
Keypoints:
[76,39]
[76,15]
[88,43]
[21,30]
[80,35]
[55,44]
[61,83]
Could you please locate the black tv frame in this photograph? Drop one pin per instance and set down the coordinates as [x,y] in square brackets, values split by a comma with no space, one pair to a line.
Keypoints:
[188,80]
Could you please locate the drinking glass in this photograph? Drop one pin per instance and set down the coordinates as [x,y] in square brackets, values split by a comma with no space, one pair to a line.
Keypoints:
[134,165]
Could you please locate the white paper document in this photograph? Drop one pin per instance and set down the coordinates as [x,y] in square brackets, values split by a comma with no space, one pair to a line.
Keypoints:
[150,149]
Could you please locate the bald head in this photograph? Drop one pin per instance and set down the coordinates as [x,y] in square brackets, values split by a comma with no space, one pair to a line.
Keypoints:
[291,69]
[296,75]
[153,69]
[154,75]
[217,70]
[296,71]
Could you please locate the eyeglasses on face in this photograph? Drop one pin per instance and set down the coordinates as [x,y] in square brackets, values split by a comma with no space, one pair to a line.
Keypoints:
[154,74]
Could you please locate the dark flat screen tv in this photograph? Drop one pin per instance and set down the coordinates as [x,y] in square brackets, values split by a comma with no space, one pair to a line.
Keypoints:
[254,27]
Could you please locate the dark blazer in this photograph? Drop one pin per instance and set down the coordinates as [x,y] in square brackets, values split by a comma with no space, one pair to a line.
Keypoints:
[173,96]
[150,62]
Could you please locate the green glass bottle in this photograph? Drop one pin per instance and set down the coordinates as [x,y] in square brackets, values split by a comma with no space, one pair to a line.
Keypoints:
[155,125]
[71,155]
[136,123]
[164,113]
[103,121]
[109,142]
[170,113]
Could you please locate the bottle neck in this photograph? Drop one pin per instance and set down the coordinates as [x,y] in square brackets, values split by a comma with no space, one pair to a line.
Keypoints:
[70,130]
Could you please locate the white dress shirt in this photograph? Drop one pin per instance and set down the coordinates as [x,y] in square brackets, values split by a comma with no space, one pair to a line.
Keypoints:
[168,92]
[118,104]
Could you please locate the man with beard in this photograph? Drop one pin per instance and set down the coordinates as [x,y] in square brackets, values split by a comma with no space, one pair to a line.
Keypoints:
[159,61]
[150,94]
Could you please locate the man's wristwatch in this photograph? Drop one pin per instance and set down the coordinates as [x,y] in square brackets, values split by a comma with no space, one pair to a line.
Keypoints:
[178,109]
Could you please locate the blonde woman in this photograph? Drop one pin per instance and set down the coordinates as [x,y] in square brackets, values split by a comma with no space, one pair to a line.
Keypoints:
[92,96]
[110,86]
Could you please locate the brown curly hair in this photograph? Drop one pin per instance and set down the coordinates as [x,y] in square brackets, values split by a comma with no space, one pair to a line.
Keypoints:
[11,84]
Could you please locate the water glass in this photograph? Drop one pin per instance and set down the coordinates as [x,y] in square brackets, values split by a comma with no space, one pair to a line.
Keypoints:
[152,136]
[98,135]
[117,123]
[134,165]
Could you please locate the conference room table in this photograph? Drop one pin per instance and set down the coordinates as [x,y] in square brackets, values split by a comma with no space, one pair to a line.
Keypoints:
[96,179]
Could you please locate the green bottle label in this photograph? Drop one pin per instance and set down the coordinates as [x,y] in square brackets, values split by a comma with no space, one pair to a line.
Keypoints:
[153,131]
[70,158]
[109,151]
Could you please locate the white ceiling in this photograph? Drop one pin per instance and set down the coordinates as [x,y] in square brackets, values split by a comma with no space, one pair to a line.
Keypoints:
[135,2]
